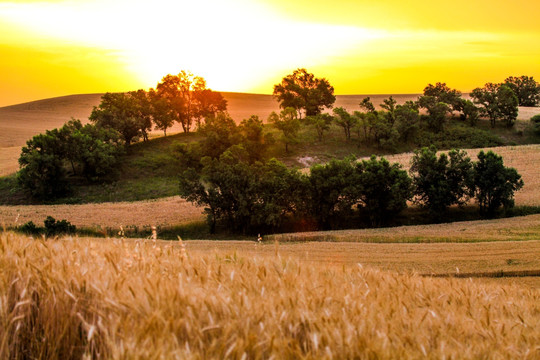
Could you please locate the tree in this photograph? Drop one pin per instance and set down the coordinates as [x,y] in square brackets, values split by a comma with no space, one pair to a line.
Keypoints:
[498,102]
[443,181]
[345,120]
[436,111]
[254,141]
[382,189]
[162,114]
[143,111]
[367,105]
[507,105]
[119,112]
[247,197]
[287,122]
[407,119]
[390,106]
[535,120]
[469,111]
[42,173]
[495,184]
[188,99]
[330,191]
[302,91]
[220,133]
[321,123]
[526,89]
[444,94]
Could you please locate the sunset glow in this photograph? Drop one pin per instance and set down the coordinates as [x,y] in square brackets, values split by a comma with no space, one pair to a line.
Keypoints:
[52,48]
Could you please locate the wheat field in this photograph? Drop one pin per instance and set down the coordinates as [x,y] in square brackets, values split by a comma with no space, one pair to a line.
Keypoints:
[114,299]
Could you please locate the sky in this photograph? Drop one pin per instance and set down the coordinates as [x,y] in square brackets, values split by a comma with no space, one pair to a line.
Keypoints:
[54,48]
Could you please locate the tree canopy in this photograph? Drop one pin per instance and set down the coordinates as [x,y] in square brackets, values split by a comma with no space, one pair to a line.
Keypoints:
[305,93]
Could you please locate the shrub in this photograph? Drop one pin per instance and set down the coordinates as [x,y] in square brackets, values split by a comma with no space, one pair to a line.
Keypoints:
[535,120]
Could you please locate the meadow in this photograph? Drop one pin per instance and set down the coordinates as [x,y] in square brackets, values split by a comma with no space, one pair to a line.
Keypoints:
[117,299]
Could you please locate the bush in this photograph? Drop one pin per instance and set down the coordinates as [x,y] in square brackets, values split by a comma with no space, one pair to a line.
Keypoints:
[54,227]
[535,120]
[30,228]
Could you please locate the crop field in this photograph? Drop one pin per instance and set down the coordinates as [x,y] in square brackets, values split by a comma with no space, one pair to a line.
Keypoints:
[131,299]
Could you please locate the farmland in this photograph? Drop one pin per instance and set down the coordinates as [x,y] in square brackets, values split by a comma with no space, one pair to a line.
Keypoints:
[127,299]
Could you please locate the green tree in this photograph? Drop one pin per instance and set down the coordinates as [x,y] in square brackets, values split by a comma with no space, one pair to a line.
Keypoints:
[535,120]
[254,140]
[437,110]
[440,182]
[42,173]
[143,111]
[304,92]
[526,89]
[495,184]
[367,105]
[407,120]
[382,189]
[444,94]
[330,191]
[247,197]
[390,106]
[498,102]
[162,114]
[287,122]
[507,105]
[344,119]
[119,112]
[469,111]
[321,123]
[220,133]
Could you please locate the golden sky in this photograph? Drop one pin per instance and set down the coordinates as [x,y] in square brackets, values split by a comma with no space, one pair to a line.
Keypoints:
[53,48]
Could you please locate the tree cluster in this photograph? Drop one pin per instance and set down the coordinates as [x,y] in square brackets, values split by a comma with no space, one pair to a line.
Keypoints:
[250,194]
[85,151]
[181,98]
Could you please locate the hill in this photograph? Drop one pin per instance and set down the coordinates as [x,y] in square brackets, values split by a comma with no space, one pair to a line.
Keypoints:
[18,123]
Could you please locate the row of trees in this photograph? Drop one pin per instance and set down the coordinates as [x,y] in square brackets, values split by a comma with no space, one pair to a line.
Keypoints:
[303,98]
[181,98]
[258,196]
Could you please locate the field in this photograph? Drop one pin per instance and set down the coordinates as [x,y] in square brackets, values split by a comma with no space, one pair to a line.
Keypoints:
[129,299]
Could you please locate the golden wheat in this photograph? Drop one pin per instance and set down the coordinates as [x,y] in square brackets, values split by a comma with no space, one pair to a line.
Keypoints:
[74,298]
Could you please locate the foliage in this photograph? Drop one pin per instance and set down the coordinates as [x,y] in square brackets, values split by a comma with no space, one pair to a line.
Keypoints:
[469,111]
[345,120]
[51,228]
[443,181]
[188,100]
[119,111]
[498,102]
[248,197]
[507,105]
[458,136]
[42,173]
[254,140]
[526,89]
[367,105]
[436,109]
[535,120]
[220,133]
[321,123]
[407,121]
[304,92]
[495,183]
[89,150]
[330,189]
[382,189]
[442,93]
[287,122]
